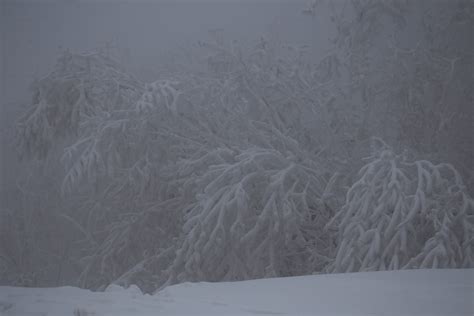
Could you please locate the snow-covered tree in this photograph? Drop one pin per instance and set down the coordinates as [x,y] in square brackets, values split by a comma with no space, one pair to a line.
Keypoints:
[141,163]
[256,214]
[80,87]
[402,214]
[405,71]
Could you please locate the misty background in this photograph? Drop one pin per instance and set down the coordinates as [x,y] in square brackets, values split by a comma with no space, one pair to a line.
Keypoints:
[35,32]
[142,35]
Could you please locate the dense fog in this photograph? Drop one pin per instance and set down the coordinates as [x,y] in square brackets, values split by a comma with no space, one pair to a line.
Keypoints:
[158,142]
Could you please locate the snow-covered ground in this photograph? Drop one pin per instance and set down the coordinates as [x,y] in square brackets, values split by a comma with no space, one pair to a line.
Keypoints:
[414,292]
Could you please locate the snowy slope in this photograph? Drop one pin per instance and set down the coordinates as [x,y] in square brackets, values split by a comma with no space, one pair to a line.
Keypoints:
[415,292]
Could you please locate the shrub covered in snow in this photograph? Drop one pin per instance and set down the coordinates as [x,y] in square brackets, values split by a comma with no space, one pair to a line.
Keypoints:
[255,216]
[401,214]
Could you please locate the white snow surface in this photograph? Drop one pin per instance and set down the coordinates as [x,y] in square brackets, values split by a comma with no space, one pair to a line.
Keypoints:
[409,292]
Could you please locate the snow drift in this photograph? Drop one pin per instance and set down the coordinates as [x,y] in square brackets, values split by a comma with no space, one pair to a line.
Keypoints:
[409,292]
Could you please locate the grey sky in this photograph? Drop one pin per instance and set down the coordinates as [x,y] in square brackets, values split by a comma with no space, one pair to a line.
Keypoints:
[33,32]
